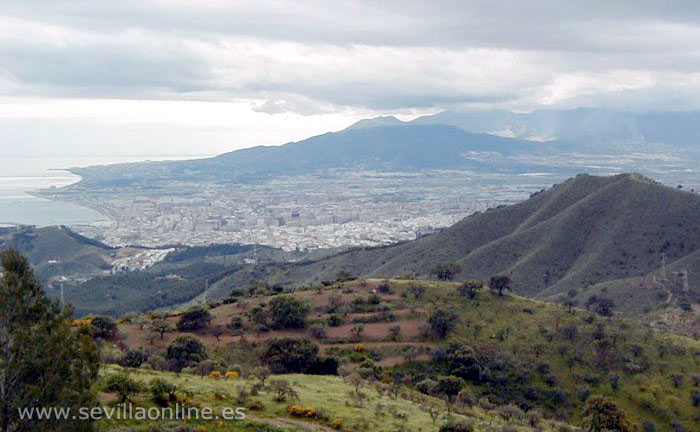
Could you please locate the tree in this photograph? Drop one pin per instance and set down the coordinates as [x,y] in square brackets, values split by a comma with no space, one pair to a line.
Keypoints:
[217,332]
[446,271]
[418,291]
[288,312]
[104,327]
[442,322]
[43,362]
[358,329]
[500,283]
[289,355]
[123,385]
[262,373]
[193,319]
[135,358]
[161,327]
[470,288]
[185,351]
[449,386]
[283,389]
[604,306]
[601,415]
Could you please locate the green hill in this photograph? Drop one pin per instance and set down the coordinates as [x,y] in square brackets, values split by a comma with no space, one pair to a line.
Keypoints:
[58,250]
[523,362]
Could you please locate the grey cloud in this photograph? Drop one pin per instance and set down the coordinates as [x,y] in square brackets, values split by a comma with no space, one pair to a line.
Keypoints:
[315,56]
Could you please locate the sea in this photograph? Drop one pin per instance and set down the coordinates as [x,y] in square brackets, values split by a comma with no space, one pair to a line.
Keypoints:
[20,175]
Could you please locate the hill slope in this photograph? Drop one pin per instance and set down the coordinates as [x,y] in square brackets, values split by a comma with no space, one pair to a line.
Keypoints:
[535,355]
[584,231]
[58,250]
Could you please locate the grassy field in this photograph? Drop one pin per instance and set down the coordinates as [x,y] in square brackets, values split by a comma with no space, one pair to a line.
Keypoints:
[376,411]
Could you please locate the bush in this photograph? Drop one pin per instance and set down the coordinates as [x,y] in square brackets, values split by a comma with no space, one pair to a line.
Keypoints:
[458,426]
[193,319]
[442,323]
[122,385]
[427,386]
[289,355]
[135,358]
[288,312]
[695,398]
[103,327]
[602,414]
[185,351]
[163,393]
[318,331]
[334,320]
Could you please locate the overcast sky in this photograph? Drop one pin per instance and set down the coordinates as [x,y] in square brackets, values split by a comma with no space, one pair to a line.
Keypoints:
[207,76]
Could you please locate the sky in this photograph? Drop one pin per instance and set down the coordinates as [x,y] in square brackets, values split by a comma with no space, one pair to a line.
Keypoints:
[199,77]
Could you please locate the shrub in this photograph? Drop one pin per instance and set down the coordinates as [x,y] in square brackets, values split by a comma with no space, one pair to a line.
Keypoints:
[185,351]
[300,411]
[648,426]
[163,393]
[318,331]
[470,288]
[384,287]
[282,390]
[256,405]
[193,319]
[395,333]
[510,412]
[288,312]
[135,358]
[334,320]
[602,414]
[695,398]
[123,385]
[458,426]
[289,355]
[261,373]
[427,386]
[442,323]
[103,327]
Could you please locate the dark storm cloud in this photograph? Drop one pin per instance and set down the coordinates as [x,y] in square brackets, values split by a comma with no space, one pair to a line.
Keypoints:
[315,55]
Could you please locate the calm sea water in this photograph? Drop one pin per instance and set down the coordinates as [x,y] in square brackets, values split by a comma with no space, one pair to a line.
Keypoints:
[20,175]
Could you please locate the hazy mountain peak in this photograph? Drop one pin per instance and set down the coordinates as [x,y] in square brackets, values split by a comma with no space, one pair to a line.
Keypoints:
[375,122]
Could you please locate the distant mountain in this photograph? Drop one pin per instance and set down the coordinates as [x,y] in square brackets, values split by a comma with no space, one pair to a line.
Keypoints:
[583,232]
[588,127]
[364,146]
[376,121]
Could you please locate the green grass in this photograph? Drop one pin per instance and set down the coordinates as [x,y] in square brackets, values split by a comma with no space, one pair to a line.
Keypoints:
[328,394]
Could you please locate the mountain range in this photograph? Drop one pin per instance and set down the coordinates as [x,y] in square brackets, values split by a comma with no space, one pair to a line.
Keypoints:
[491,140]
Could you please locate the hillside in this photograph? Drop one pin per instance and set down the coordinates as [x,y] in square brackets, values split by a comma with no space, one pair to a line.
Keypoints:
[367,147]
[58,250]
[539,360]
[583,232]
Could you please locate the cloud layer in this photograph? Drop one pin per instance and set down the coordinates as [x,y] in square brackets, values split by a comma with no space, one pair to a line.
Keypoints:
[321,56]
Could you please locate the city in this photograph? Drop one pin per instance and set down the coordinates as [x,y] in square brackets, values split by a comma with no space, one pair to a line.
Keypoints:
[340,209]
